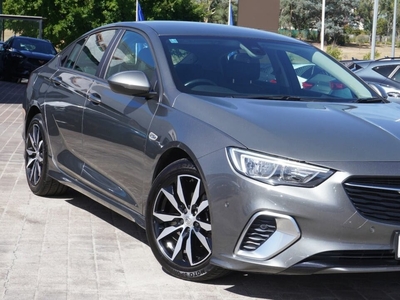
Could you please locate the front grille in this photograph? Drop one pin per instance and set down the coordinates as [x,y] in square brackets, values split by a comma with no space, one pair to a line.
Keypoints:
[376,199]
[259,231]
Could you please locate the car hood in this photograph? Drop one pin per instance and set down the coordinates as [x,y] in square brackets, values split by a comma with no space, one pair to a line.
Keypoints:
[305,131]
[37,55]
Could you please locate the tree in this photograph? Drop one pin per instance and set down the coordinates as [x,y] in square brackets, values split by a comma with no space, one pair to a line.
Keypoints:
[306,14]
[339,14]
[365,12]
[66,20]
[298,14]
[180,10]
[220,11]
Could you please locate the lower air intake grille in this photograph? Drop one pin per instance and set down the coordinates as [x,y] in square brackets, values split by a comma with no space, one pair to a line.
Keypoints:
[353,255]
[259,231]
[376,199]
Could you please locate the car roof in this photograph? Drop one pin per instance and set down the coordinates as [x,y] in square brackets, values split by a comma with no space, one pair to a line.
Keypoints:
[371,63]
[201,29]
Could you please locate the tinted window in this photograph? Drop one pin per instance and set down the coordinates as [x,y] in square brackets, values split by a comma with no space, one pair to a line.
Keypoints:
[384,70]
[396,76]
[69,61]
[34,45]
[237,67]
[93,51]
[132,53]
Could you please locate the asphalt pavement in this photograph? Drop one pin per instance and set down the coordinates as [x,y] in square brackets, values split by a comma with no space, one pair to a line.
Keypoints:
[74,248]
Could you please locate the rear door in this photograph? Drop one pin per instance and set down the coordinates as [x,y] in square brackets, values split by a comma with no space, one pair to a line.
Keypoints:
[66,97]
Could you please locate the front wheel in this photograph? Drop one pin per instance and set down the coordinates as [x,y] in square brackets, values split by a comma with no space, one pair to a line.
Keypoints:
[178,223]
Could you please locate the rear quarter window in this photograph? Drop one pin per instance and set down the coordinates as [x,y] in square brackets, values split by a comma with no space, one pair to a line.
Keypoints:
[384,70]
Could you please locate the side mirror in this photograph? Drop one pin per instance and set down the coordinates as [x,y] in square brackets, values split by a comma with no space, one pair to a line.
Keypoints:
[378,89]
[131,83]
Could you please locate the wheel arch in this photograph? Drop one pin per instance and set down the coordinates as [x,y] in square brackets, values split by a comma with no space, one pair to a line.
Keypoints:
[170,156]
[33,111]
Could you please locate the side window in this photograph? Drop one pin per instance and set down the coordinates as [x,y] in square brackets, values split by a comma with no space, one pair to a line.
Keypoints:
[384,70]
[8,43]
[92,52]
[396,75]
[132,53]
[69,61]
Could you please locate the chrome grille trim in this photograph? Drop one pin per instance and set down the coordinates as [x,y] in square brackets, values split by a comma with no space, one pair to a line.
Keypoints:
[375,198]
[380,187]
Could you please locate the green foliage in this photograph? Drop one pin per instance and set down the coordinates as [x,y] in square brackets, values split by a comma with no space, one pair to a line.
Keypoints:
[313,36]
[181,10]
[368,55]
[66,20]
[298,14]
[341,40]
[362,39]
[382,26]
[352,30]
[334,52]
[306,14]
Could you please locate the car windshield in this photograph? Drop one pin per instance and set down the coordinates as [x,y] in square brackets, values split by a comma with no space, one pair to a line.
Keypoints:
[258,68]
[34,46]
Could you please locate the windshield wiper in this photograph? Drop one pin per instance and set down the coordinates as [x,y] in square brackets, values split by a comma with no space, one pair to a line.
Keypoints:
[370,100]
[269,97]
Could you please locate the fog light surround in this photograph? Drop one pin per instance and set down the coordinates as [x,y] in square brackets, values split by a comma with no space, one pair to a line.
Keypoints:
[285,234]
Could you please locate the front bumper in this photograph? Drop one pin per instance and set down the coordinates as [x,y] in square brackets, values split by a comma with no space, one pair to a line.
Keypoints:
[318,230]
[23,68]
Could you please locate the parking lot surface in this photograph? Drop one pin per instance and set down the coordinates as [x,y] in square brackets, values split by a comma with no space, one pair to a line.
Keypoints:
[74,248]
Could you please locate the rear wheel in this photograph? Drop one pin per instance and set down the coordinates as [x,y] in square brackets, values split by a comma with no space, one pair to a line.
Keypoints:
[36,161]
[178,223]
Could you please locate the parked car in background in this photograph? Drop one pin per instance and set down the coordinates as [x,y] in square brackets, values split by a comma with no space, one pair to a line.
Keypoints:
[20,55]
[385,72]
[206,136]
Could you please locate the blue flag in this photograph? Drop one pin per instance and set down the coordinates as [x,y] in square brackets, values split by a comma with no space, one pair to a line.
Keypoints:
[139,12]
[230,18]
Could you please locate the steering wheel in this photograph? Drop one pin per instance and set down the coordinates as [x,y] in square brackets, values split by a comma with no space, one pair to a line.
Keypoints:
[199,81]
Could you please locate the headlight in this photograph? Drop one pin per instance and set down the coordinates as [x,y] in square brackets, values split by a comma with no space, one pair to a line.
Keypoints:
[276,171]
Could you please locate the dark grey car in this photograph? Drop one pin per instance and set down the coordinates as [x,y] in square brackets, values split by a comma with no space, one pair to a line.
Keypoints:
[20,55]
[210,138]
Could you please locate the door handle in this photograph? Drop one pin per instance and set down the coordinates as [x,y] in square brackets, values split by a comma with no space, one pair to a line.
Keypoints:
[94,98]
[57,80]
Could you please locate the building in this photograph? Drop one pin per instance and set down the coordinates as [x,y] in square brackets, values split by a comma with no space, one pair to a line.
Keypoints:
[260,14]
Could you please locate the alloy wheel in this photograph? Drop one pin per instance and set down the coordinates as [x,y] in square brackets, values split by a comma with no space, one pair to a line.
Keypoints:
[181,221]
[34,154]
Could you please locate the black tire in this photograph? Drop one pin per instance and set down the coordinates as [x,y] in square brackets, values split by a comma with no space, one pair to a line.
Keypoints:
[36,161]
[178,224]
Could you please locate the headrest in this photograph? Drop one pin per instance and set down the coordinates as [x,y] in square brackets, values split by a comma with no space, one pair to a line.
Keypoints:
[241,68]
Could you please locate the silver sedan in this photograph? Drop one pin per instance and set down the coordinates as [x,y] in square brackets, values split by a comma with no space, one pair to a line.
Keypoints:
[209,138]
